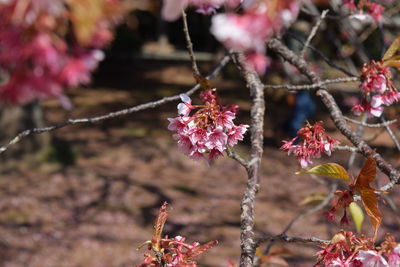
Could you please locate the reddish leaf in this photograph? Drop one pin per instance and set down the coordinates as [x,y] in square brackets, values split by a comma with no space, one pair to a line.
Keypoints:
[159,226]
[369,197]
[199,250]
[370,202]
[367,174]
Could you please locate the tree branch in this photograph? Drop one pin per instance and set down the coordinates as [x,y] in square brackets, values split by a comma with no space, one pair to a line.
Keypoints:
[114,114]
[290,239]
[313,32]
[370,125]
[189,44]
[335,113]
[247,236]
[312,86]
[232,154]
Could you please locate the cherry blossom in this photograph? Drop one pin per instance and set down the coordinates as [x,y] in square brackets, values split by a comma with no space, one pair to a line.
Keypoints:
[246,32]
[347,250]
[209,131]
[315,141]
[35,54]
[394,256]
[375,10]
[371,258]
[171,252]
[172,8]
[377,90]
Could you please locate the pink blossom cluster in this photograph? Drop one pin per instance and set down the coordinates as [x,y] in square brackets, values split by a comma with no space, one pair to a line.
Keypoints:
[175,252]
[172,8]
[375,10]
[247,32]
[377,89]
[347,250]
[40,54]
[315,141]
[209,130]
[171,252]
[244,32]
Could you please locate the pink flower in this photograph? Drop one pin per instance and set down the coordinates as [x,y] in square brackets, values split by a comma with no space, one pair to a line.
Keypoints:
[314,142]
[236,134]
[172,9]
[258,62]
[391,97]
[36,54]
[226,119]
[358,109]
[374,78]
[177,124]
[350,4]
[207,6]
[371,110]
[185,107]
[214,153]
[371,258]
[208,132]
[242,32]
[394,257]
[217,139]
[338,262]
[376,11]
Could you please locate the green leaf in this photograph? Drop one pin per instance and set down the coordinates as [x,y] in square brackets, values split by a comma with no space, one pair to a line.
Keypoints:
[357,215]
[394,47]
[330,169]
[313,199]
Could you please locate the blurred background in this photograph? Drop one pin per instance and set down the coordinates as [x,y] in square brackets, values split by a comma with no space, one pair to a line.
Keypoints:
[88,194]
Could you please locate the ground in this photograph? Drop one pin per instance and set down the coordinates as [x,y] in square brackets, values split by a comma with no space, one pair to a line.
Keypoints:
[91,199]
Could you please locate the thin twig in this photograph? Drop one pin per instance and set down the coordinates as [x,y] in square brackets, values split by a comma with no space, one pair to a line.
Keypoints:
[289,239]
[370,125]
[239,159]
[318,207]
[312,86]
[189,44]
[114,114]
[323,56]
[347,148]
[247,235]
[313,32]
[391,204]
[359,132]
[306,213]
[391,133]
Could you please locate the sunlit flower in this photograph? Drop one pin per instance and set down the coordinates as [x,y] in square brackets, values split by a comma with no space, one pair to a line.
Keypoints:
[372,258]
[312,143]
[209,131]
[377,89]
